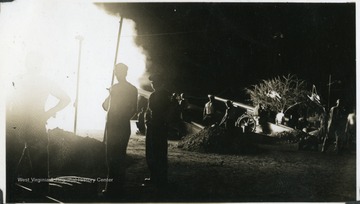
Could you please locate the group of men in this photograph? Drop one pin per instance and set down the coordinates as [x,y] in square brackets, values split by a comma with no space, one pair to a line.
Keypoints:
[121,106]
[335,128]
[340,129]
[210,114]
[27,135]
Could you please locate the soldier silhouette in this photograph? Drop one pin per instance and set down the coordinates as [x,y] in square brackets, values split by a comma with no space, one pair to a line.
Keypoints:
[157,131]
[121,105]
[26,118]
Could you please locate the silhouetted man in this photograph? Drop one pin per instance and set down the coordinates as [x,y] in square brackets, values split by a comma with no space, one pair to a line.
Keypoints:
[230,116]
[209,111]
[157,130]
[350,129]
[263,119]
[121,106]
[184,105]
[26,123]
[336,127]
[140,124]
[256,113]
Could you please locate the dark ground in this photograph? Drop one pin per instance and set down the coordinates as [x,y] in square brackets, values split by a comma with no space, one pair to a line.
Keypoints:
[276,173]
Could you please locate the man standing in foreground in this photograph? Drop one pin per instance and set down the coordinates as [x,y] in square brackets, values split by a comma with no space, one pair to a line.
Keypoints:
[157,131]
[121,106]
[26,118]
[336,128]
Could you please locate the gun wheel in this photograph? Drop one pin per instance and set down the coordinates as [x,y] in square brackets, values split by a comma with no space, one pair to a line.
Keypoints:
[246,123]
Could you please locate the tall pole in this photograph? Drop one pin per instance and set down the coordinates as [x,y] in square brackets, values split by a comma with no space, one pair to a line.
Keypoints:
[113,74]
[80,39]
[117,49]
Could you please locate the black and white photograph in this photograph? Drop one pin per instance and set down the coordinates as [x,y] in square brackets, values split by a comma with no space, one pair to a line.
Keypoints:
[196,101]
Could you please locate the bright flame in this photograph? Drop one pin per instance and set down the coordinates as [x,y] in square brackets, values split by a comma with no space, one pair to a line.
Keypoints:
[50,28]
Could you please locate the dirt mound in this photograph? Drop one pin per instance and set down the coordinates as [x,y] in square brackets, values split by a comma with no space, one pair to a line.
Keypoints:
[74,155]
[305,140]
[218,140]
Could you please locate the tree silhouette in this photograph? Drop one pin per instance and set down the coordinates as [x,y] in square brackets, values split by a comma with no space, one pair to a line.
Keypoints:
[279,93]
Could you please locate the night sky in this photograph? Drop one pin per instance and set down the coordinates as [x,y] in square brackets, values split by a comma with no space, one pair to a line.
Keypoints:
[222,48]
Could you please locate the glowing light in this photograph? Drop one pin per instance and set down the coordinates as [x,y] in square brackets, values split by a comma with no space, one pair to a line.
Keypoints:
[50,28]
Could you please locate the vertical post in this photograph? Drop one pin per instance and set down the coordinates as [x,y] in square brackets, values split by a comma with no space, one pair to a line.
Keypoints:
[113,74]
[117,49]
[80,38]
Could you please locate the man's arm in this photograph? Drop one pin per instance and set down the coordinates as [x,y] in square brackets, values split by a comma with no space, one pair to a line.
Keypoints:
[347,123]
[204,111]
[106,104]
[135,103]
[63,98]
[331,114]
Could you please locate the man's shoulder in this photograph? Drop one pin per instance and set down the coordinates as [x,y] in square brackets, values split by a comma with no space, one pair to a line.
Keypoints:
[126,85]
[131,86]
